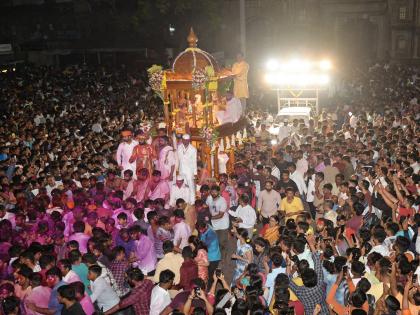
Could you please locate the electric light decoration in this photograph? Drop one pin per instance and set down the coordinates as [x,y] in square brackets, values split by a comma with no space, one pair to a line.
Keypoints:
[300,73]
[272,64]
[325,65]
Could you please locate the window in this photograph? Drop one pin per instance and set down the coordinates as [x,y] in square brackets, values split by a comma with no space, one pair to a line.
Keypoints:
[403,13]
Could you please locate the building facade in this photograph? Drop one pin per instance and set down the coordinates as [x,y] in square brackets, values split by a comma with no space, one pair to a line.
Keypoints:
[369,29]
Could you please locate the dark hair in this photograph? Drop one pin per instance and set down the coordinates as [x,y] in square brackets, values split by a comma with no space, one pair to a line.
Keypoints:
[260,241]
[299,245]
[74,255]
[167,247]
[35,279]
[277,260]
[178,213]
[243,233]
[54,271]
[122,216]
[357,267]
[309,278]
[65,263]
[79,227]
[96,269]
[79,287]
[10,304]
[392,304]
[67,292]
[358,298]
[166,276]
[135,274]
[187,252]
[25,271]
[379,234]
[402,244]
[90,258]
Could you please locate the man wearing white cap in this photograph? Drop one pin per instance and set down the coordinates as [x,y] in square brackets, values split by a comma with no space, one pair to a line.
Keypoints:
[179,190]
[187,156]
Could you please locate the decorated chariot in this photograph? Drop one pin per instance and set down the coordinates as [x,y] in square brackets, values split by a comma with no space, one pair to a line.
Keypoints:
[192,91]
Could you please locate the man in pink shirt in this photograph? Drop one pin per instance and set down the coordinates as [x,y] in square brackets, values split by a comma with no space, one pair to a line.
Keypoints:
[79,236]
[158,188]
[141,184]
[83,298]
[39,294]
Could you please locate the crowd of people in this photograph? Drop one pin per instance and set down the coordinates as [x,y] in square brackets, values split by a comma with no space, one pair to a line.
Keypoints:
[103,212]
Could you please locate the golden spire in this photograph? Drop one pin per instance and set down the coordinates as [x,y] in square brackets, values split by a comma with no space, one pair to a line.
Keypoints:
[192,39]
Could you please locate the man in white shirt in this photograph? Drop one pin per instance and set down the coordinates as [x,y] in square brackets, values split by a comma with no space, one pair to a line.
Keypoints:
[182,231]
[125,151]
[179,190]
[187,156]
[302,164]
[166,162]
[160,296]
[233,110]
[245,215]
[69,276]
[297,177]
[284,131]
[52,184]
[378,238]
[219,217]
[102,293]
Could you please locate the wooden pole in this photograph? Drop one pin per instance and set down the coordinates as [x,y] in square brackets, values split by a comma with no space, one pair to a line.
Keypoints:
[166,110]
[207,152]
[231,162]
[216,161]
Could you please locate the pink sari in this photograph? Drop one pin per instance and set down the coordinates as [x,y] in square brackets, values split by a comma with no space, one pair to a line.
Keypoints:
[201,258]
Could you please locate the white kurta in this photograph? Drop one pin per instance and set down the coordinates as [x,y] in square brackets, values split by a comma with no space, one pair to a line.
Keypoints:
[188,166]
[232,113]
[166,161]
[124,152]
[177,192]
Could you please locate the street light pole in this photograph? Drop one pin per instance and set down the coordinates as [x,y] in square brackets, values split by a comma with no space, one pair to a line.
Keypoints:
[242,25]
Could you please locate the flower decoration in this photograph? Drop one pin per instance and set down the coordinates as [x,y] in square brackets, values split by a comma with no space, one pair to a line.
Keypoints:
[209,135]
[199,79]
[157,79]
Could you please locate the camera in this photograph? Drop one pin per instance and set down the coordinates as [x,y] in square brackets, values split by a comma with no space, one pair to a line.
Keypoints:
[295,259]
[197,291]
[218,272]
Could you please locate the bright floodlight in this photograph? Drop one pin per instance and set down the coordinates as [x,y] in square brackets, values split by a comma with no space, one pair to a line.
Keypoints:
[272,64]
[299,73]
[325,65]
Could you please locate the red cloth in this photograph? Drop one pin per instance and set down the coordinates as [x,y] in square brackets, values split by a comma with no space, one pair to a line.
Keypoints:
[188,272]
[139,298]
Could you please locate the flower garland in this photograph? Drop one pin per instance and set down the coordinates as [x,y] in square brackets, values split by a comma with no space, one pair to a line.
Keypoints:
[210,135]
[157,79]
[199,79]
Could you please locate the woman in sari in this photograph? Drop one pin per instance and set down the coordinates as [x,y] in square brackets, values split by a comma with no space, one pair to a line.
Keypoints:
[243,255]
[270,231]
[200,257]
